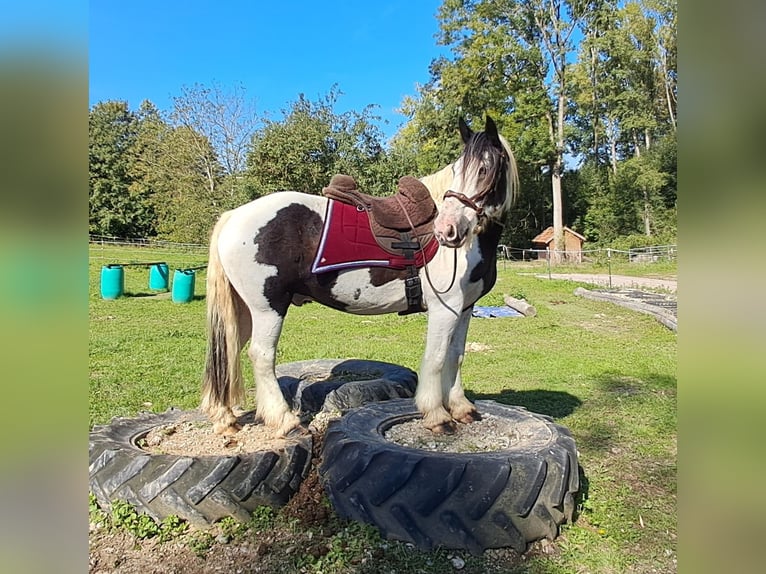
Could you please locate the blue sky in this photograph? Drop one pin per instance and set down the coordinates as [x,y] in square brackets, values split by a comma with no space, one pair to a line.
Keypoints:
[375,51]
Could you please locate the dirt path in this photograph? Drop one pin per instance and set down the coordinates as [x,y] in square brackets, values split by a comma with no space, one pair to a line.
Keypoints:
[617,281]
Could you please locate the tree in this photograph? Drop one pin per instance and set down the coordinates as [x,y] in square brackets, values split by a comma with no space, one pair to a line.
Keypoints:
[311,143]
[116,206]
[224,123]
[624,91]
[511,60]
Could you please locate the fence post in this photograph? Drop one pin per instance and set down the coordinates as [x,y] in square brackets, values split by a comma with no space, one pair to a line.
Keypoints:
[609,264]
[548,257]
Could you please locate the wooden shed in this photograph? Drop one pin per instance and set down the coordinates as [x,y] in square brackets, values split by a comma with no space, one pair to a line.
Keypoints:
[572,243]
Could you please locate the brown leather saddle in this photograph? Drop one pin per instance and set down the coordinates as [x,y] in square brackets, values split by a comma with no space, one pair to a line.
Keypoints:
[406,217]
[402,224]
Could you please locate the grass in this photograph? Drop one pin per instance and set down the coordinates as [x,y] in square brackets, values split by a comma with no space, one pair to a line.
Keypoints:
[604,372]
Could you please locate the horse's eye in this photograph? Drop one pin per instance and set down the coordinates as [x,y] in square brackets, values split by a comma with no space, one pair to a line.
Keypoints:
[482,171]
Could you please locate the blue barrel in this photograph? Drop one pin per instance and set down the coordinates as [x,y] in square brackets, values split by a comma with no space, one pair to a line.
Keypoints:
[158,277]
[112,281]
[183,286]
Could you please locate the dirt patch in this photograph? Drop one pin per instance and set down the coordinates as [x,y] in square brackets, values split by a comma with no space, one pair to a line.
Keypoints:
[491,433]
[196,438]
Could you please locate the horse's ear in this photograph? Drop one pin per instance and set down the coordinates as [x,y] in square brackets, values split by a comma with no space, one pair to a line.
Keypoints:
[465,131]
[491,129]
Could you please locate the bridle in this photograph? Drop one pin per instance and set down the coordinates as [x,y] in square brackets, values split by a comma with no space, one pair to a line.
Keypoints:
[469,202]
[465,200]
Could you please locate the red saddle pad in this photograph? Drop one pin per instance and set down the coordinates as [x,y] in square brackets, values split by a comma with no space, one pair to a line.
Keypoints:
[347,242]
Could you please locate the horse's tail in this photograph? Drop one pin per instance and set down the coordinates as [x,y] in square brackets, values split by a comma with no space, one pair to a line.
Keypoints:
[222,385]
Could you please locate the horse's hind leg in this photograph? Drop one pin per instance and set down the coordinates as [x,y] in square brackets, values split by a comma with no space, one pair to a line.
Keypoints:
[271,406]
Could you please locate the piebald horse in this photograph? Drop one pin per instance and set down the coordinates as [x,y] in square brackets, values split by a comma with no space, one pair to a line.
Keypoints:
[260,263]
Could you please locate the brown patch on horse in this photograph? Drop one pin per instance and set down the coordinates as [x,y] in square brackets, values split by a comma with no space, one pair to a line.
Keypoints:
[288,242]
[382,275]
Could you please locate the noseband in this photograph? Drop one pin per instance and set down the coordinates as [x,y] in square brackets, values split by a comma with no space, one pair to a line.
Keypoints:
[465,200]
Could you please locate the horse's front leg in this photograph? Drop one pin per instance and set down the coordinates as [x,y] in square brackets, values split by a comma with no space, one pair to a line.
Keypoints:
[431,396]
[461,409]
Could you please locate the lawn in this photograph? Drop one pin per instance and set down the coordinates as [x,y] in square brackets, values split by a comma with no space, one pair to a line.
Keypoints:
[606,373]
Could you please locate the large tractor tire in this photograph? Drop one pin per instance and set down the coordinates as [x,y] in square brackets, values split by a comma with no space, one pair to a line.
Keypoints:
[204,489]
[471,501]
[200,489]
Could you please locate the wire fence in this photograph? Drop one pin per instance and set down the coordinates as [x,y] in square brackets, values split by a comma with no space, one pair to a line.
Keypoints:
[654,254]
[650,254]
[143,252]
[106,240]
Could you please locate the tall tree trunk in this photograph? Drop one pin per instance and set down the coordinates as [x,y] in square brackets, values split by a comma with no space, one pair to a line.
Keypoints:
[647,215]
[556,172]
[594,100]
[668,92]
[611,136]
[558,213]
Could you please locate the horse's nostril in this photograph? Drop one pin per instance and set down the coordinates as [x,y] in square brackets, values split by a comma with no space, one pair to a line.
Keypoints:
[451,232]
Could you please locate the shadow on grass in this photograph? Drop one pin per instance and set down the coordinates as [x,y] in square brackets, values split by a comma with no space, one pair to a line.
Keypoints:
[162,295]
[556,404]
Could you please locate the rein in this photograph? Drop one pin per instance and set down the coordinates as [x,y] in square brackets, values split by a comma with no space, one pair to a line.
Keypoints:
[425,264]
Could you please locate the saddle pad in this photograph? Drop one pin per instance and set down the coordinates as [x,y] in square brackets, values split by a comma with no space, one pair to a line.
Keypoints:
[347,242]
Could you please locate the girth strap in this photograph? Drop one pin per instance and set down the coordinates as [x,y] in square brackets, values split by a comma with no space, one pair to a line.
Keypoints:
[412,288]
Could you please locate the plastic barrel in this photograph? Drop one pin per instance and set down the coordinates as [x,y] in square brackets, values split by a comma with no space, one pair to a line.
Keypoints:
[112,281]
[158,277]
[183,286]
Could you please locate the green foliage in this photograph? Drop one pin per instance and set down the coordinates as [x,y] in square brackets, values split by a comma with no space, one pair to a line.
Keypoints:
[262,518]
[513,59]
[312,143]
[125,517]
[116,205]
[200,542]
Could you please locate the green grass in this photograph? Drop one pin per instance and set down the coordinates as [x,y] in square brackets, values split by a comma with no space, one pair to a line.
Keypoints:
[606,373]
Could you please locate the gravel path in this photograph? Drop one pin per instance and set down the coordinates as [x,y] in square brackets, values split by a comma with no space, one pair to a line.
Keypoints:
[655,297]
[617,281]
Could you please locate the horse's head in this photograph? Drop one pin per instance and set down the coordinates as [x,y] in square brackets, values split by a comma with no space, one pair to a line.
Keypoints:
[484,183]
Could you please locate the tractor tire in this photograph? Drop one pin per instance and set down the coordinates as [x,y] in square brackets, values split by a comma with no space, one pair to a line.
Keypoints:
[330,385]
[199,489]
[471,501]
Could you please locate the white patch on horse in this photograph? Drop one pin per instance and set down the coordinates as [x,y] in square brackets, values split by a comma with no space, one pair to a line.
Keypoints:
[353,288]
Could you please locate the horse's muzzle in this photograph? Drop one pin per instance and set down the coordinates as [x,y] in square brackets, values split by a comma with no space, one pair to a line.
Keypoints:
[450,235]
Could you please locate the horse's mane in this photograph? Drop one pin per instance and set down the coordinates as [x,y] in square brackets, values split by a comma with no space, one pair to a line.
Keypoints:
[511,176]
[438,183]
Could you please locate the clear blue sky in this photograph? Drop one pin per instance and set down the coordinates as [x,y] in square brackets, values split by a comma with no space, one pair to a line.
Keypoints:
[375,51]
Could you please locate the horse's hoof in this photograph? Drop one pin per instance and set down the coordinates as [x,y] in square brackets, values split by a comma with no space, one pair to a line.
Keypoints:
[226,429]
[444,428]
[469,417]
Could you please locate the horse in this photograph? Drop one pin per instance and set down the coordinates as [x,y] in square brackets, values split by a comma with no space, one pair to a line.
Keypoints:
[260,263]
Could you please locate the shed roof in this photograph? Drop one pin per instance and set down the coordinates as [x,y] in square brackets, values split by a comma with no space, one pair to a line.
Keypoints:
[546,236]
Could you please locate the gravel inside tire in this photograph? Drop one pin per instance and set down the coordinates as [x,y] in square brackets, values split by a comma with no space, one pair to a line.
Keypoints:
[471,501]
[199,489]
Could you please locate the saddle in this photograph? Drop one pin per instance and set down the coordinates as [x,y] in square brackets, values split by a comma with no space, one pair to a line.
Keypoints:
[402,224]
[405,217]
